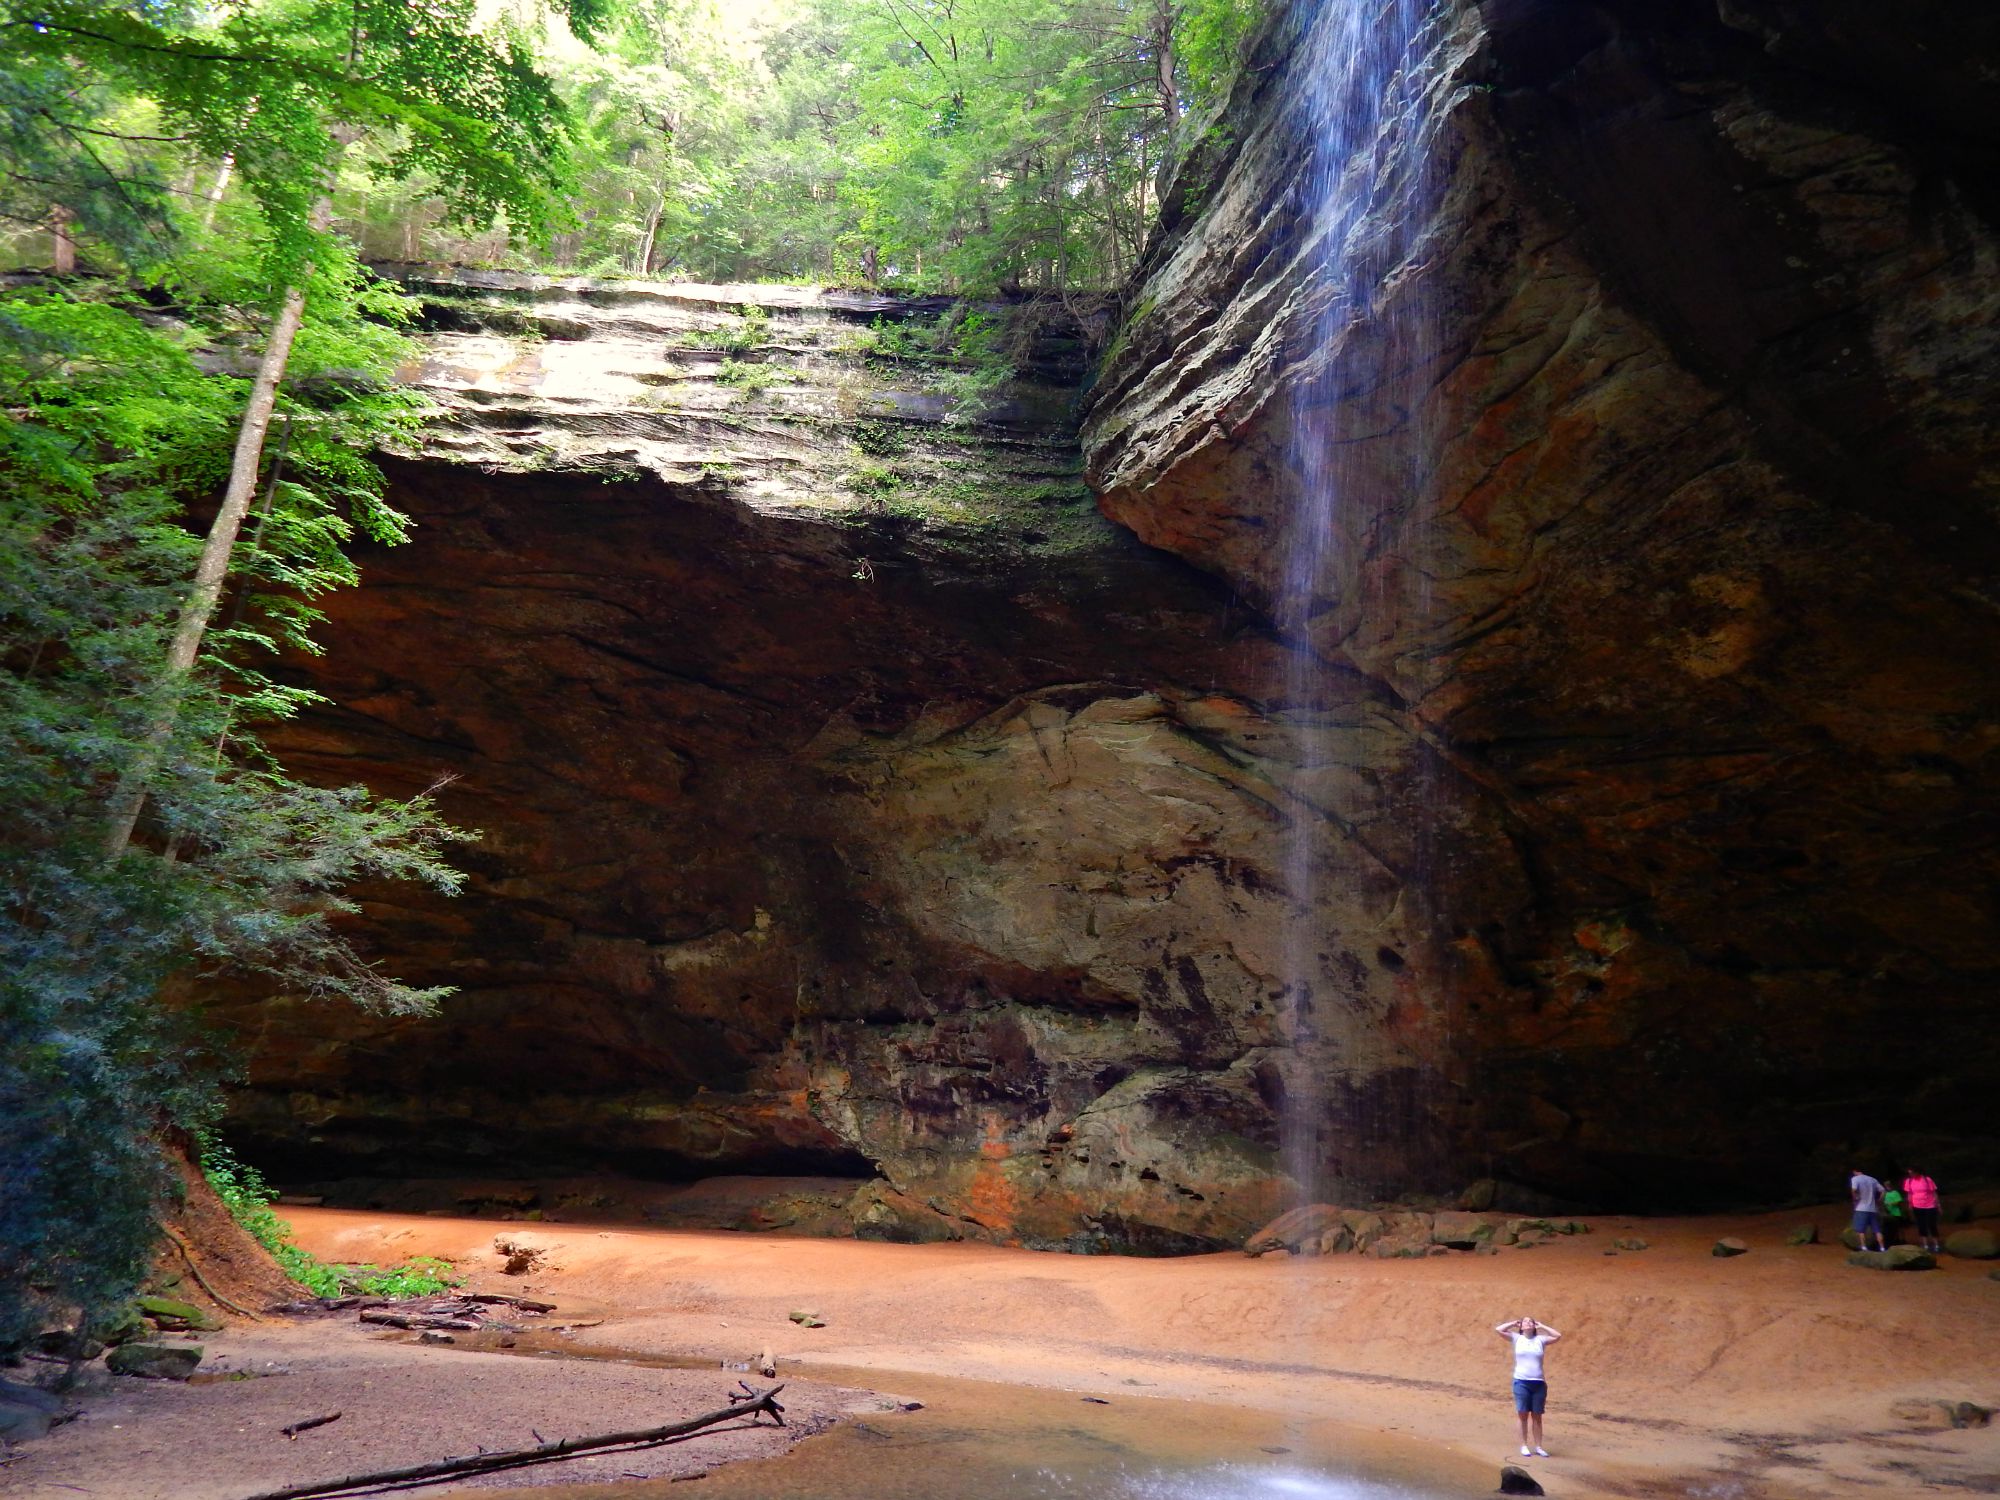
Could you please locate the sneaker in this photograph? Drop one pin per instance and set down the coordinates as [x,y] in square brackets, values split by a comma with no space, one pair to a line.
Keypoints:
[1526,1452]
[1541,1453]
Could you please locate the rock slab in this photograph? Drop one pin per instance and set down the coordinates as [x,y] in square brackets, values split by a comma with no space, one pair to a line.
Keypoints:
[155,1361]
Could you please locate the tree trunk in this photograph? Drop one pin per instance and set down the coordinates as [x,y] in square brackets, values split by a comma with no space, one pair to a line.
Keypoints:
[214,195]
[62,249]
[213,567]
[220,545]
[643,261]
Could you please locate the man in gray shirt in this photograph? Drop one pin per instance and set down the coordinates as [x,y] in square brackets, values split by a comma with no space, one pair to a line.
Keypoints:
[1866,1195]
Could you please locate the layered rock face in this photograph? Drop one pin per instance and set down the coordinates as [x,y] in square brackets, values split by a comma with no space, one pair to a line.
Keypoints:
[1665,522]
[852,797]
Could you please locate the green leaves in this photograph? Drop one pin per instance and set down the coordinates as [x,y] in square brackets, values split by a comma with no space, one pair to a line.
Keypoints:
[283,87]
[248,1198]
[120,403]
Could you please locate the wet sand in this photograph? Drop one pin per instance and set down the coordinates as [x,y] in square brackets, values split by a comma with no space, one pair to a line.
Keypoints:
[1768,1374]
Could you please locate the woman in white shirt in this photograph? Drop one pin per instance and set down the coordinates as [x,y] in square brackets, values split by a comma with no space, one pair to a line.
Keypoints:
[1531,1390]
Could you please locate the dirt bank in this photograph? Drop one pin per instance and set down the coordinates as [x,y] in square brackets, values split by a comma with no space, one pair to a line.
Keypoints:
[1773,1372]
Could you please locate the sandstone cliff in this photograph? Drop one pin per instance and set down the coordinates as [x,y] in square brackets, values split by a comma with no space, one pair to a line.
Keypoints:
[856,799]
[853,797]
[1669,529]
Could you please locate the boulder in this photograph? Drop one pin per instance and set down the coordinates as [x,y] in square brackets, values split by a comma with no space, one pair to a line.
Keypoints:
[155,1361]
[171,1316]
[67,1343]
[1480,1197]
[1461,1231]
[1629,1244]
[880,1212]
[121,1327]
[26,1411]
[1850,1239]
[1404,1246]
[1973,1244]
[1336,1240]
[1523,1228]
[1806,1234]
[1515,1480]
[806,1318]
[1367,1228]
[1901,1258]
[1289,1231]
[1724,1248]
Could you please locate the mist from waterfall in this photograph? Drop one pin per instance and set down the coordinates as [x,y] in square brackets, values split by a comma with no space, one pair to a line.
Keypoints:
[1360,82]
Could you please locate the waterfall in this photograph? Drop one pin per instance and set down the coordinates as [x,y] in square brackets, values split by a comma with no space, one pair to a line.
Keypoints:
[1356,356]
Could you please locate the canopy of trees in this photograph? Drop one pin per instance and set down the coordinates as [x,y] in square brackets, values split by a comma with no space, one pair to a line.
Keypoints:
[954,145]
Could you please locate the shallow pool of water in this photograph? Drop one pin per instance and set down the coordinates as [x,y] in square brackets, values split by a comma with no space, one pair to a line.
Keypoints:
[975,1441]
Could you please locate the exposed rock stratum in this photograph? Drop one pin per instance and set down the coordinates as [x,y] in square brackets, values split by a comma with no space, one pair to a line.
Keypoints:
[857,799]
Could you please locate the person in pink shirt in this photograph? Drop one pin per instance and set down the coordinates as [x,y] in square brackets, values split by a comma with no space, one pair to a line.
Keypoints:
[1923,1195]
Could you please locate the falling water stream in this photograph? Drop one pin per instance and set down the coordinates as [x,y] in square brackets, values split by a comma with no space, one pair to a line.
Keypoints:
[1354,463]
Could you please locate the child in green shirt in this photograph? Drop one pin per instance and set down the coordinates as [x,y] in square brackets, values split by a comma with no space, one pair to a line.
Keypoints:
[1895,1214]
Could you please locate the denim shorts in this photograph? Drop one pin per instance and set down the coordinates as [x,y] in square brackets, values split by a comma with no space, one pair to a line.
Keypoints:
[1531,1396]
[1867,1221]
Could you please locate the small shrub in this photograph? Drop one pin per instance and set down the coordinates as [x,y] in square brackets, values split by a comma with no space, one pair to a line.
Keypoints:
[247,1196]
[419,1276]
[748,376]
[879,439]
[910,340]
[878,480]
[752,331]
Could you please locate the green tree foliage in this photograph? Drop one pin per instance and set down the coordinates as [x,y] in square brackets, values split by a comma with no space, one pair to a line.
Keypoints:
[114,419]
[942,145]
[120,413]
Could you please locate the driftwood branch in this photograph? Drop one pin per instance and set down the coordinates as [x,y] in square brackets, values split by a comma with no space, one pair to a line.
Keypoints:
[485,1463]
[498,1299]
[309,1424]
[417,1320]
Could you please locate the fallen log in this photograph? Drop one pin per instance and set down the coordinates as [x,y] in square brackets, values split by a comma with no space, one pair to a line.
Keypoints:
[418,1320]
[308,1425]
[524,1304]
[486,1463]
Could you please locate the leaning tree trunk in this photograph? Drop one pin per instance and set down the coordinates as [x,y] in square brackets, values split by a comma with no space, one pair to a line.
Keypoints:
[216,551]
[213,567]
